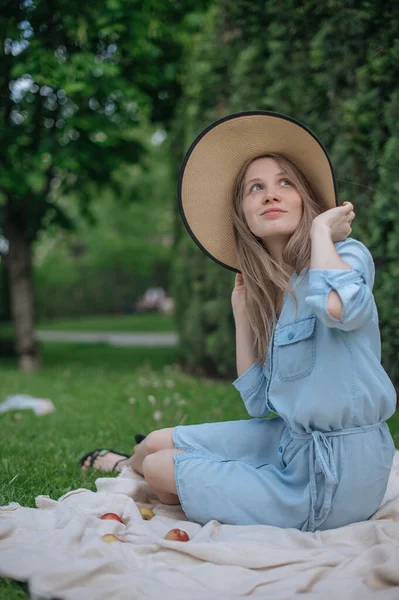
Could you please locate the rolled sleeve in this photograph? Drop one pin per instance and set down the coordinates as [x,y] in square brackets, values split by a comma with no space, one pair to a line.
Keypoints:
[354,287]
[252,386]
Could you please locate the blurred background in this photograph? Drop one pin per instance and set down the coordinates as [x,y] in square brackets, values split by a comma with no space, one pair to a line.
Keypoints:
[99,103]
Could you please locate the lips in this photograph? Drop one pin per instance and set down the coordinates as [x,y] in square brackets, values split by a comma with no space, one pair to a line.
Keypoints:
[272,211]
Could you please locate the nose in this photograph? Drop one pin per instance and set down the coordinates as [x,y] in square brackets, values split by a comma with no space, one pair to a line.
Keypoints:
[271,196]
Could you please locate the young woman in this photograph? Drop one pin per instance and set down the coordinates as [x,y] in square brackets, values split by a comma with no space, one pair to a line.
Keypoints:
[257,194]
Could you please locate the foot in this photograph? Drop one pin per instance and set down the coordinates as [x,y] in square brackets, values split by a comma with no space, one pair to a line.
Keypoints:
[105,460]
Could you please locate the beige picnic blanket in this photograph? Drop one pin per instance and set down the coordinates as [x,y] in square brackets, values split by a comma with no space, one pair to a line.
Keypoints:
[58,549]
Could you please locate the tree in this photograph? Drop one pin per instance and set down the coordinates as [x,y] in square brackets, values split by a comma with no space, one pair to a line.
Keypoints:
[75,80]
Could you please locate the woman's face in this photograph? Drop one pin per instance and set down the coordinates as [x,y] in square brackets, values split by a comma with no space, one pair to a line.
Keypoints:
[266,186]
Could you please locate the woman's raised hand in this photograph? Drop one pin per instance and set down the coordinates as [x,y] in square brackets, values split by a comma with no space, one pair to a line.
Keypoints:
[238,296]
[338,220]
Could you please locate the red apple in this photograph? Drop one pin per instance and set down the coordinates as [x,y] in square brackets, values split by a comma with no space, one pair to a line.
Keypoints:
[146,513]
[110,537]
[111,516]
[177,535]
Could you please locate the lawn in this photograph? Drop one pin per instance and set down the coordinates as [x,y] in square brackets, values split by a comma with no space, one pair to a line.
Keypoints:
[103,396]
[137,322]
[148,322]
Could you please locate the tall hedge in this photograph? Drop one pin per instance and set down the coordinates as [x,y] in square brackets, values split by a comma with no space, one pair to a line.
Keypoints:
[334,66]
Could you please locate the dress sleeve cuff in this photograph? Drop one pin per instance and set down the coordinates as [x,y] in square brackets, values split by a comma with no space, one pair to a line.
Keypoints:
[355,294]
[249,380]
[324,280]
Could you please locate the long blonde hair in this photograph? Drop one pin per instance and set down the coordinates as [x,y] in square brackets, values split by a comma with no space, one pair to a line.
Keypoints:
[264,278]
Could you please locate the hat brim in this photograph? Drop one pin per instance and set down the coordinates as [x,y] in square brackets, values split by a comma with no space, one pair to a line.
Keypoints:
[211,165]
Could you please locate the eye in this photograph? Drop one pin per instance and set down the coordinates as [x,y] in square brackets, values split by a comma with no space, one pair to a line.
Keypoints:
[254,186]
[286,181]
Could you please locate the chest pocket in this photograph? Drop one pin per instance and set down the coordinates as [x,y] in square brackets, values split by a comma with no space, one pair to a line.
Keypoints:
[295,349]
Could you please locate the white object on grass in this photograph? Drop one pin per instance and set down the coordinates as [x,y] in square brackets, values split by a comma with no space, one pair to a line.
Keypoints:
[40,406]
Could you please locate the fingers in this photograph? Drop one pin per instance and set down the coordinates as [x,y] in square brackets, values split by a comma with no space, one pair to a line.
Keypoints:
[350,207]
[239,279]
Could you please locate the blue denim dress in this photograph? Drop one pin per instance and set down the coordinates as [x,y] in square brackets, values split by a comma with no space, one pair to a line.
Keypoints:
[324,460]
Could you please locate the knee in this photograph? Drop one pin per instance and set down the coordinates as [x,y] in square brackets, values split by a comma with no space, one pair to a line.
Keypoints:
[150,467]
[161,439]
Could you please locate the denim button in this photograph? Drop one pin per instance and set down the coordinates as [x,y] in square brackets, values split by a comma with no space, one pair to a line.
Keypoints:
[280,449]
[290,335]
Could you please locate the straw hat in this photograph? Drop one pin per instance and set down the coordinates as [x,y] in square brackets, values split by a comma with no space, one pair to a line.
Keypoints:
[211,165]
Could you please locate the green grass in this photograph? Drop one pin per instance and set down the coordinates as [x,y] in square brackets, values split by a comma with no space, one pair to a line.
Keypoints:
[92,387]
[148,322]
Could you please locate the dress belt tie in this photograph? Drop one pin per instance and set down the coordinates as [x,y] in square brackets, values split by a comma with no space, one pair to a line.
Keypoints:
[321,460]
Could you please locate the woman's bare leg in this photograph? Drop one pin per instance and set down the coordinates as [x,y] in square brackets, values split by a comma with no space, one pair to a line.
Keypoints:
[154,459]
[158,470]
[160,439]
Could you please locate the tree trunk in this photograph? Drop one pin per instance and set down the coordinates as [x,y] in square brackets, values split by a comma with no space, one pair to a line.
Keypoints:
[5,307]
[19,266]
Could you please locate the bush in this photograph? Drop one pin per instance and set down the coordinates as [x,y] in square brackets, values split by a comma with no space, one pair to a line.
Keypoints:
[315,67]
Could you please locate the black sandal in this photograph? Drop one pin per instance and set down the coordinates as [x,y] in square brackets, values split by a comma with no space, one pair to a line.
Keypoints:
[139,437]
[102,452]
